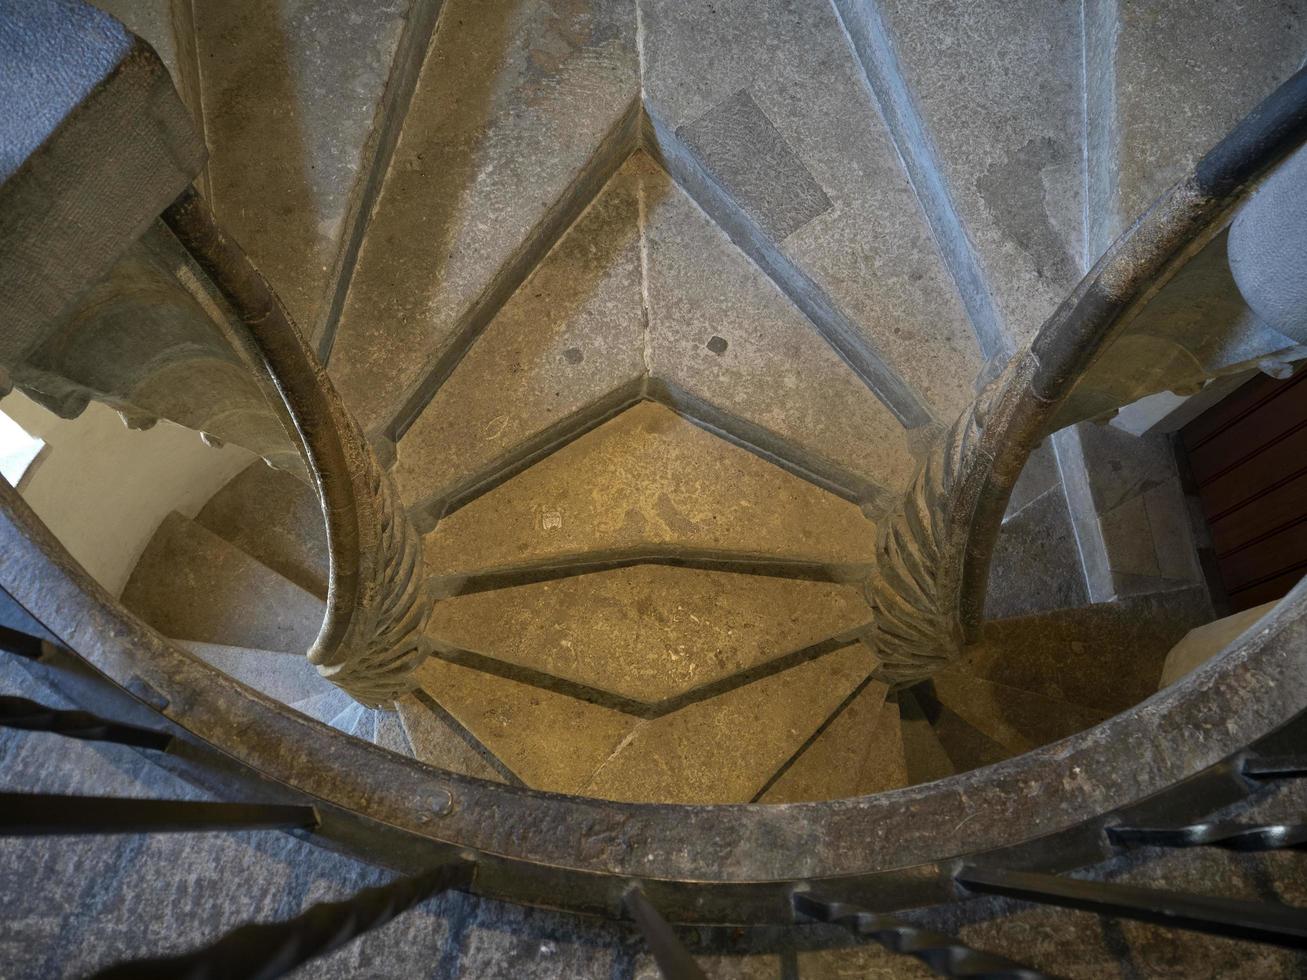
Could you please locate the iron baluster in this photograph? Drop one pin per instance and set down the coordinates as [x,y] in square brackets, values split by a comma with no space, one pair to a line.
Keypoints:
[1230,836]
[32,716]
[1279,925]
[21,644]
[262,951]
[943,954]
[673,959]
[40,814]
[1275,767]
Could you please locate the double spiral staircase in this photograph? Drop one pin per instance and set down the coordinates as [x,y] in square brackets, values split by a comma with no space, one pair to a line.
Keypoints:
[694,475]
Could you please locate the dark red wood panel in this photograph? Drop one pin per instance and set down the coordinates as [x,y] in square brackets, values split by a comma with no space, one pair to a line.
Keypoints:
[1248,457]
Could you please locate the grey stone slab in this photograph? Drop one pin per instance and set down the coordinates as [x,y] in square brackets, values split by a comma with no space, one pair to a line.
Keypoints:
[924,757]
[860,752]
[390,733]
[1018,720]
[1203,643]
[1037,476]
[1036,565]
[193,585]
[324,707]
[1107,656]
[548,741]
[348,718]
[999,90]
[437,743]
[569,338]
[725,749]
[871,253]
[276,519]
[724,338]
[649,632]
[288,677]
[507,135]
[767,179]
[648,482]
[291,93]
[1164,89]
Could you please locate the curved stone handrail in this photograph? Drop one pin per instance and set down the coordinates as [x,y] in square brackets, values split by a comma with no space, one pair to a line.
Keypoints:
[933,550]
[377,606]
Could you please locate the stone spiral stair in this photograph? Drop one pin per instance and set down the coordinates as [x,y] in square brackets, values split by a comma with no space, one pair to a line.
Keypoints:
[647,681]
[654,322]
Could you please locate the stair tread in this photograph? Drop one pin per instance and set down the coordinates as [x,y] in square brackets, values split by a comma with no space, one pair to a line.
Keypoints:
[648,632]
[925,759]
[324,707]
[859,753]
[275,519]
[191,584]
[668,486]
[724,750]
[291,93]
[791,134]
[1016,719]
[484,157]
[1037,544]
[288,677]
[436,743]
[390,734]
[1106,656]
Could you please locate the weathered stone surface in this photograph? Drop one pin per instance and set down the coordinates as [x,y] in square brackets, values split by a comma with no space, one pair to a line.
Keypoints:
[1036,564]
[645,482]
[924,757]
[648,632]
[275,519]
[999,89]
[434,741]
[193,585]
[323,707]
[1203,643]
[288,677]
[390,733]
[291,92]
[1106,656]
[512,110]
[549,741]
[570,337]
[725,749]
[860,752]
[870,253]
[725,335]
[1161,93]
[1018,720]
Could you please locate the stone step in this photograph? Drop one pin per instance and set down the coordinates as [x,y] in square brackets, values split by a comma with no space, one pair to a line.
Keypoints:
[648,484]
[288,677]
[1015,719]
[350,718]
[191,584]
[647,635]
[859,752]
[620,310]
[1106,656]
[986,103]
[324,707]
[294,98]
[1036,564]
[965,745]
[275,519]
[390,734]
[438,741]
[924,758]
[515,122]
[723,749]
[784,147]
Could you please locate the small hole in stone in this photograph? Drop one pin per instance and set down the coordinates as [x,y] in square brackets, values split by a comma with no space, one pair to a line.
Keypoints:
[717,345]
[573,355]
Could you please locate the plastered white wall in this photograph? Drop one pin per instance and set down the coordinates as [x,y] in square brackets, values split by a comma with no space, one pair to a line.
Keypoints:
[103,489]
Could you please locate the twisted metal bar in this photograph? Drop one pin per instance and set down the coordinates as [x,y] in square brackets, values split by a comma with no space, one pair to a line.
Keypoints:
[45,814]
[1229,836]
[1275,767]
[32,716]
[262,951]
[943,954]
[673,959]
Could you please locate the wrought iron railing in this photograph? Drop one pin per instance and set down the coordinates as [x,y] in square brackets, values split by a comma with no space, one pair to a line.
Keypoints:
[269,950]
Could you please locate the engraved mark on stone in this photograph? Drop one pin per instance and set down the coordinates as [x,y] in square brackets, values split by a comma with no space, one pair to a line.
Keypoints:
[738,143]
[551,520]
[717,345]
[573,355]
